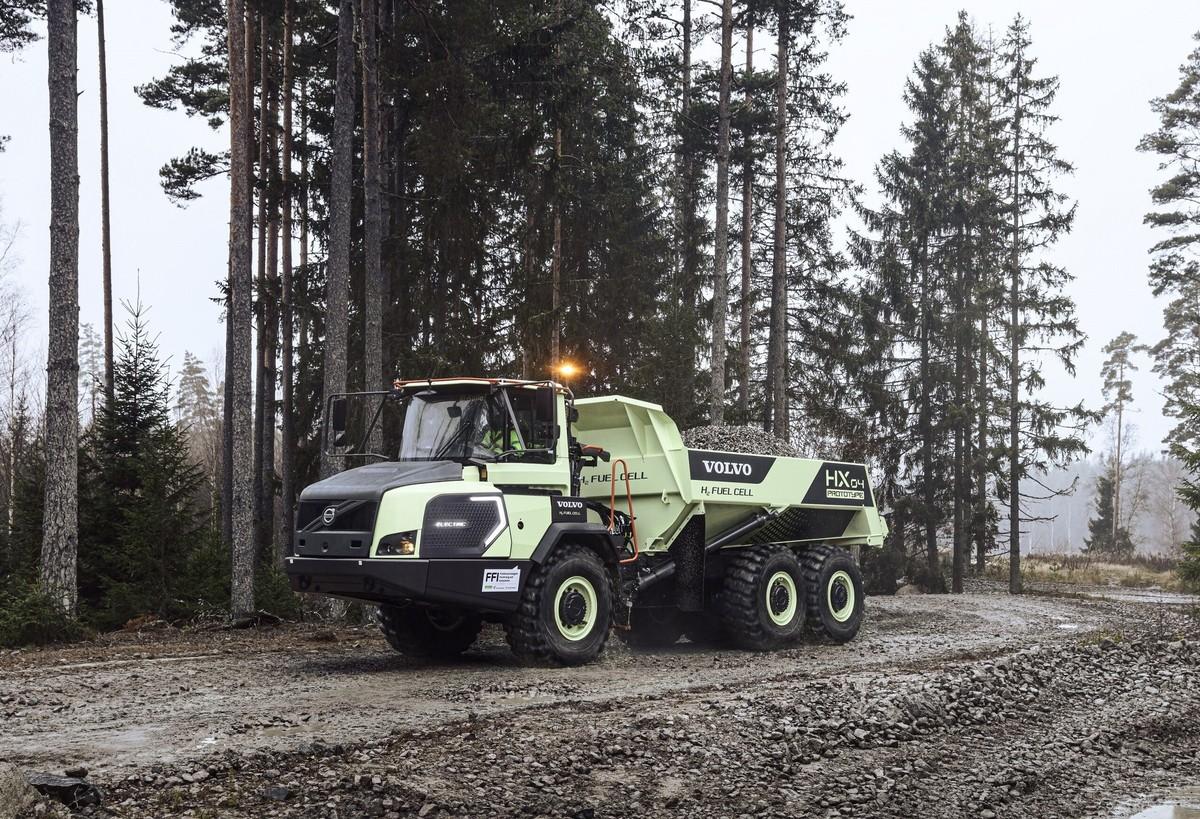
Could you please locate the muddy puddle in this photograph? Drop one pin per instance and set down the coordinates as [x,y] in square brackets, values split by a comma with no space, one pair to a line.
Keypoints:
[1183,804]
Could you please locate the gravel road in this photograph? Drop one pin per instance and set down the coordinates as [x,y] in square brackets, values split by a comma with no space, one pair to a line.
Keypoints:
[977,705]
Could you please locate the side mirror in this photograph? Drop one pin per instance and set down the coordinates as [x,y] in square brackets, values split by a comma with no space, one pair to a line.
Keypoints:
[337,417]
[545,404]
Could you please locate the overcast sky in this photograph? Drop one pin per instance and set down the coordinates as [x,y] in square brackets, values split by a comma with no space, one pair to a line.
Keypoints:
[1111,60]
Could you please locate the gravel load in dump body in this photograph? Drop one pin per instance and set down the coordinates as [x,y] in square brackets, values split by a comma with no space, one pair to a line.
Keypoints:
[745,439]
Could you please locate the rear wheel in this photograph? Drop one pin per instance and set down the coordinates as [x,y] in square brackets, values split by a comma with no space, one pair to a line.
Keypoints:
[762,602]
[426,631]
[566,609]
[835,593]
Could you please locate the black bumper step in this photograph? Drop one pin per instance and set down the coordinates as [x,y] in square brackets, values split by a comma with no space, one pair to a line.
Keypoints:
[450,582]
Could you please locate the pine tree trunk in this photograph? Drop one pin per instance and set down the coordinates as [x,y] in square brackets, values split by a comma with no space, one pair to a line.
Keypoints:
[241,279]
[60,536]
[105,229]
[556,256]
[556,253]
[1014,366]
[270,309]
[14,439]
[401,215]
[959,457]
[687,267]
[260,301]
[721,249]
[304,318]
[1120,457]
[287,459]
[388,128]
[337,293]
[983,414]
[925,424]
[779,317]
[373,377]
[960,501]
[227,425]
[528,261]
[747,242]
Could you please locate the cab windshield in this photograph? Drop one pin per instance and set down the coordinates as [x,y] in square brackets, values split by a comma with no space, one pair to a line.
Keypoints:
[498,425]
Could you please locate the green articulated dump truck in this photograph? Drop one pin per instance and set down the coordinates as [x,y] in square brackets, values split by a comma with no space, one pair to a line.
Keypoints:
[497,500]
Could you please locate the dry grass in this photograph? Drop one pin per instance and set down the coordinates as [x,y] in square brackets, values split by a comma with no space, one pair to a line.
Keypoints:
[1140,573]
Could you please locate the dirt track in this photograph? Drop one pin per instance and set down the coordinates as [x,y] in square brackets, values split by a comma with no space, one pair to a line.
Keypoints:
[790,730]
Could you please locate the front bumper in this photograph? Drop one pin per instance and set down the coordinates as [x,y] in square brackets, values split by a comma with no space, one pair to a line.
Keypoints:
[450,581]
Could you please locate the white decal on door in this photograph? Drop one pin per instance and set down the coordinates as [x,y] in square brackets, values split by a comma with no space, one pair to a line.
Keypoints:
[502,580]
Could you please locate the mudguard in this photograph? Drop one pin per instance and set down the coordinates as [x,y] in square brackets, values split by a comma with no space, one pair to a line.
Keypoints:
[593,535]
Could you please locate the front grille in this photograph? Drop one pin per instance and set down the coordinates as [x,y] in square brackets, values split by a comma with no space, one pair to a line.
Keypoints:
[351,516]
[461,525]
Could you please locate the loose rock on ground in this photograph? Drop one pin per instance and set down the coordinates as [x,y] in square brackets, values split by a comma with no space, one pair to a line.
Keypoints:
[981,705]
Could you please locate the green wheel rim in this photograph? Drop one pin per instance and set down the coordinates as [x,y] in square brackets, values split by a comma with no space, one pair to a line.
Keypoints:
[581,586]
[839,596]
[780,584]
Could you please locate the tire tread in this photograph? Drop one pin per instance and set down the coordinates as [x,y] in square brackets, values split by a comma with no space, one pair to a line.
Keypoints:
[523,629]
[739,598]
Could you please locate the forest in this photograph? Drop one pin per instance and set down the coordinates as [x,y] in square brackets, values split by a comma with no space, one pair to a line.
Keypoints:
[647,189]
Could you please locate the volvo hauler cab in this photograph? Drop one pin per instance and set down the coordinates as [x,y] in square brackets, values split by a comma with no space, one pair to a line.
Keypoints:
[498,500]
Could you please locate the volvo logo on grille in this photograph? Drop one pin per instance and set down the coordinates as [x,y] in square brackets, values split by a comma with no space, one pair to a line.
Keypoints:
[329,515]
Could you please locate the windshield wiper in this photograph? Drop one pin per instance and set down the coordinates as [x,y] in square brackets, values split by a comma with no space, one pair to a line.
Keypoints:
[445,448]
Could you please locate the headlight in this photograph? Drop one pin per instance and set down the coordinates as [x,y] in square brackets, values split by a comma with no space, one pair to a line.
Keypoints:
[401,543]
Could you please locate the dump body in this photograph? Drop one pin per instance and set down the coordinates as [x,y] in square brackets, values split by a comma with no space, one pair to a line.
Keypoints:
[812,500]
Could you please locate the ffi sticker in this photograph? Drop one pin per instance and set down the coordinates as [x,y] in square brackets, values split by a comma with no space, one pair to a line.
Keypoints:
[502,580]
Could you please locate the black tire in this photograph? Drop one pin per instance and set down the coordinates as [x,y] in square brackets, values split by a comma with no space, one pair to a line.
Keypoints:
[566,609]
[834,591]
[425,631]
[654,626]
[762,602]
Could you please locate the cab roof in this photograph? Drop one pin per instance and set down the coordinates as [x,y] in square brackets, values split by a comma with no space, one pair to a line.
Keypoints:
[473,381]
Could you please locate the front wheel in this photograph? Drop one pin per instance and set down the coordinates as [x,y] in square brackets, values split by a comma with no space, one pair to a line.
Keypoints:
[566,609]
[426,631]
[835,593]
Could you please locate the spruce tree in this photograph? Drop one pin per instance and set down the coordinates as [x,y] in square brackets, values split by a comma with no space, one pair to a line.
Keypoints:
[198,416]
[1175,269]
[1105,537]
[26,491]
[909,293]
[1041,317]
[142,526]
[961,225]
[1188,454]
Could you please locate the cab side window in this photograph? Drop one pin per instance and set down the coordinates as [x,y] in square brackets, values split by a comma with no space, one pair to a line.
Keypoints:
[538,432]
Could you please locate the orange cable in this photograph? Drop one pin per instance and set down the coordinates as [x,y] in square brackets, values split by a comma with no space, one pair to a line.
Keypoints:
[612,506]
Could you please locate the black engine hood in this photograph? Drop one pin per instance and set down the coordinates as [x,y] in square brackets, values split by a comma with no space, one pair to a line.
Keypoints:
[371,481]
